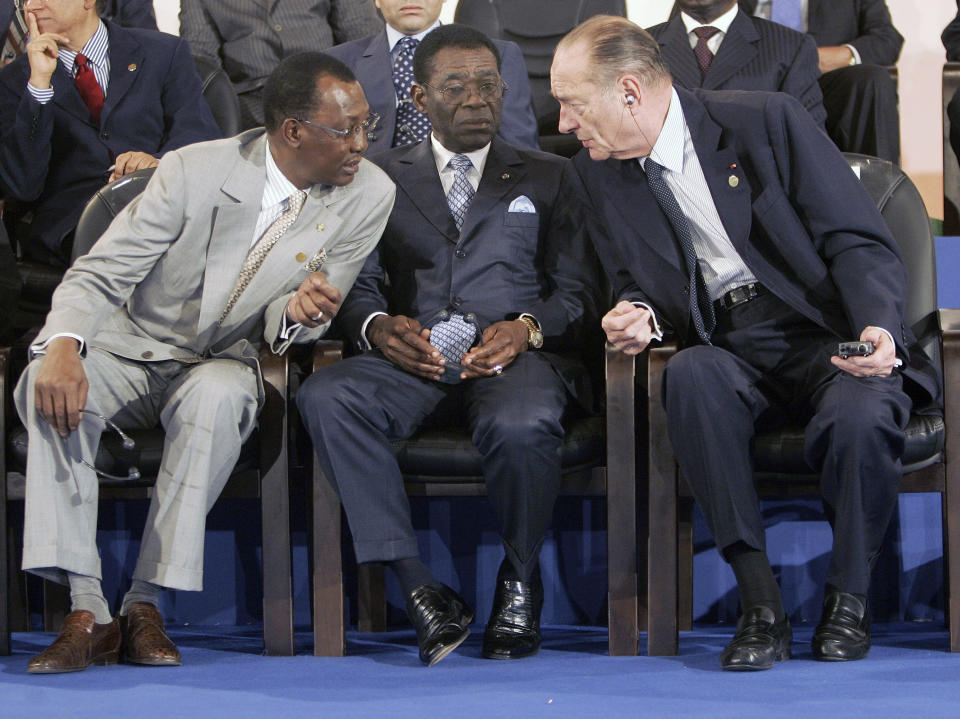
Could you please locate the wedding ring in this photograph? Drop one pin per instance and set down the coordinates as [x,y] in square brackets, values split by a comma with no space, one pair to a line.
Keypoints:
[318,317]
[498,369]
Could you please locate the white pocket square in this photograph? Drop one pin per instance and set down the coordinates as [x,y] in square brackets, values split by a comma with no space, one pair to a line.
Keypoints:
[522,204]
[316,262]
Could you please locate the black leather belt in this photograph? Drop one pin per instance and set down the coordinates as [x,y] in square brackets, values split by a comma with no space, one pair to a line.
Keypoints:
[740,295]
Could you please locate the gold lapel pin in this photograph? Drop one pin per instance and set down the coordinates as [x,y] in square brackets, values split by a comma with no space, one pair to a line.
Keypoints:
[301,257]
[733,180]
[319,228]
[132,66]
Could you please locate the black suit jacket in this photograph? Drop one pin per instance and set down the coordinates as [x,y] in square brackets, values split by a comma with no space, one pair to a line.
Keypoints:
[796,214]
[865,24]
[951,37]
[501,263]
[755,54]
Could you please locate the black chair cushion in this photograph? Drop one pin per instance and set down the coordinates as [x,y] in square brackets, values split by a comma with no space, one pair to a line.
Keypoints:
[781,452]
[114,459]
[448,455]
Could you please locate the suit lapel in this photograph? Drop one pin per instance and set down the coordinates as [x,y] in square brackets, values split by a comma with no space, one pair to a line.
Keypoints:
[737,49]
[676,51]
[234,219]
[67,96]
[502,171]
[725,177]
[126,63]
[375,68]
[417,177]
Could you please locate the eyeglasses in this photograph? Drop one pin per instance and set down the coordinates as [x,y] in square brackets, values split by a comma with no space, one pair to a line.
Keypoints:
[367,126]
[128,444]
[457,94]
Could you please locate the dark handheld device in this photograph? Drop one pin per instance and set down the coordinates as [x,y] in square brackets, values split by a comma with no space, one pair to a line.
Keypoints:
[858,348]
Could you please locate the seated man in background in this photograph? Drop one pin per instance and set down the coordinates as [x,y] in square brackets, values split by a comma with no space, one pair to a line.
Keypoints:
[478,244]
[383,64]
[89,102]
[951,42]
[249,37]
[854,39]
[161,323]
[714,45]
[730,218]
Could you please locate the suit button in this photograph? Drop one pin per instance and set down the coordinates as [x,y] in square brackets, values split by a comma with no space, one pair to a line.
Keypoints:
[104,135]
[146,355]
[686,289]
[457,301]
[278,27]
[460,253]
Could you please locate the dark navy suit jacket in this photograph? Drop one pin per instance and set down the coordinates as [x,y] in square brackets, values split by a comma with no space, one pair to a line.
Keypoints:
[54,157]
[796,214]
[865,24]
[370,60]
[500,263]
[755,54]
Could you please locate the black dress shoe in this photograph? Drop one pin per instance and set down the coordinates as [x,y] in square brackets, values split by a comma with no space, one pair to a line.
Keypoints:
[513,631]
[441,618]
[843,633]
[759,642]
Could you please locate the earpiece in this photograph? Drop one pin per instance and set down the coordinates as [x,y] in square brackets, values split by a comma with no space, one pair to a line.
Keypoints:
[630,99]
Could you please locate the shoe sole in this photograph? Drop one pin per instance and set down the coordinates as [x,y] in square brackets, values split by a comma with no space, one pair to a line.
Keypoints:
[501,655]
[153,662]
[782,656]
[448,648]
[103,660]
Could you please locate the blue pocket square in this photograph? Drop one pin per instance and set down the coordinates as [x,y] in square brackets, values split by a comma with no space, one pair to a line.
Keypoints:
[522,204]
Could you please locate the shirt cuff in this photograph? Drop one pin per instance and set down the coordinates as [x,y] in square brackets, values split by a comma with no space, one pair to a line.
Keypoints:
[657,331]
[41,96]
[856,55]
[363,329]
[287,331]
[897,362]
[40,348]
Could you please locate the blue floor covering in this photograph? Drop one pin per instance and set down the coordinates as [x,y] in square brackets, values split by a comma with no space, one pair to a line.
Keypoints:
[909,673]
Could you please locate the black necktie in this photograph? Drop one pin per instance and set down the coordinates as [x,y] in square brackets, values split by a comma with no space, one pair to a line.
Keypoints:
[701,307]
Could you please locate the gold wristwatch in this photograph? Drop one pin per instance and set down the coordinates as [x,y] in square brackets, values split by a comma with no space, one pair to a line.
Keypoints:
[534,333]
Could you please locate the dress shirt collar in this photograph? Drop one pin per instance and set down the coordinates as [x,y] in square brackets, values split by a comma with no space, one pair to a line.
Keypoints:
[668,150]
[394,36]
[277,187]
[96,50]
[442,155]
[722,23]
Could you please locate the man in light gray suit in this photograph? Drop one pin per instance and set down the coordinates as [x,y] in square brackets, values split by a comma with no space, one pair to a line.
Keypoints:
[161,322]
[249,37]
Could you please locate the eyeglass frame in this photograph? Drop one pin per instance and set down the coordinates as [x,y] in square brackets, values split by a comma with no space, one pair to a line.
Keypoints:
[133,473]
[367,126]
[475,87]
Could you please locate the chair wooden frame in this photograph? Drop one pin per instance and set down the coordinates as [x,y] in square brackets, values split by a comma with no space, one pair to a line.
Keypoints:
[268,481]
[617,481]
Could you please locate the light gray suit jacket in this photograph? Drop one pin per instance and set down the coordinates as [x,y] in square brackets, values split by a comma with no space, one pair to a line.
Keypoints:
[154,286]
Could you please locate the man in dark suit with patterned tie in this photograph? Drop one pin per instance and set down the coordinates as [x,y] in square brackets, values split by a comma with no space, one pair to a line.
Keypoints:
[478,235]
[714,45]
[731,219]
[383,63]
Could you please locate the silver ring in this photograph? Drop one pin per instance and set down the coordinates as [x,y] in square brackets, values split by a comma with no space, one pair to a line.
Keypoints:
[318,317]
[498,369]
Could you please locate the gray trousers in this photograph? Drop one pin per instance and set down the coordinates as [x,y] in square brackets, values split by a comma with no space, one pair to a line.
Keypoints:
[207,411]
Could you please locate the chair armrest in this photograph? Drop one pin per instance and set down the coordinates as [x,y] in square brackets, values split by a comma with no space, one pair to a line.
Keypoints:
[326,352]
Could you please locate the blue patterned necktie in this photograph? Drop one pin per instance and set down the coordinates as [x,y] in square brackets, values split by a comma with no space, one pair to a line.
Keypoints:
[701,306]
[788,13]
[412,125]
[453,337]
[462,192]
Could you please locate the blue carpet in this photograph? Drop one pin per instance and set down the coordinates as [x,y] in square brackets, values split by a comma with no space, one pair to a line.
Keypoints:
[909,673]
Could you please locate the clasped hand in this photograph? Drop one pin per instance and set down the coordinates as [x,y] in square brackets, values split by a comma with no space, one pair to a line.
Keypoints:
[628,328]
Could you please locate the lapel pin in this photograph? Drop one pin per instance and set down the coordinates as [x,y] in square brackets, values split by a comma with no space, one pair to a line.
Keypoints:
[132,66]
[505,176]
[733,166]
[301,257]
[733,180]
[319,228]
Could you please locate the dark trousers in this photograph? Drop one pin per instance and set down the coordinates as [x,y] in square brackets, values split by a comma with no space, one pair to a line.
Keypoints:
[768,364]
[862,111]
[353,409]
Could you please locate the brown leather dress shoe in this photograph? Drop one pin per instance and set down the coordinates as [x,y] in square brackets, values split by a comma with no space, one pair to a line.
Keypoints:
[144,640]
[81,642]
